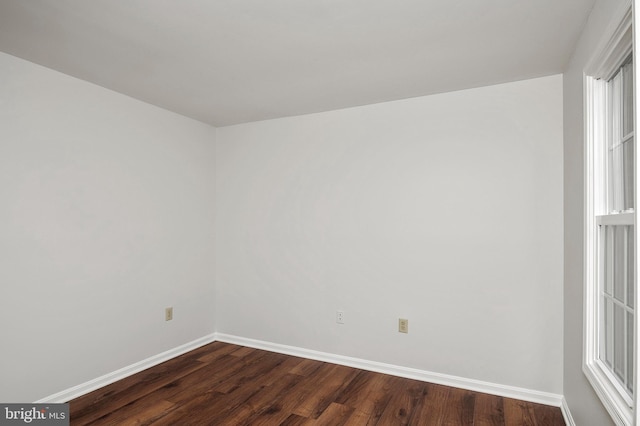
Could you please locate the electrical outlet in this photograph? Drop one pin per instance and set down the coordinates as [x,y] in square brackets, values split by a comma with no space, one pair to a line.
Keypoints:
[340,317]
[403,325]
[168,314]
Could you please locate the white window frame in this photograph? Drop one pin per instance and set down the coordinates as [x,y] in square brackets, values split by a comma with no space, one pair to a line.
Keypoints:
[607,60]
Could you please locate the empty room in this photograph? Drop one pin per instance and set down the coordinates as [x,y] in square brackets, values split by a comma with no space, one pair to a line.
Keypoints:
[243,212]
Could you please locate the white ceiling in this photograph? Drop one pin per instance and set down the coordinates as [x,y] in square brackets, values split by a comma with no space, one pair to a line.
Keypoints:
[232,61]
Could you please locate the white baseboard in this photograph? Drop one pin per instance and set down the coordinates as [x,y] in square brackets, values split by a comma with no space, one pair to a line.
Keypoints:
[91,385]
[566,413]
[363,364]
[395,370]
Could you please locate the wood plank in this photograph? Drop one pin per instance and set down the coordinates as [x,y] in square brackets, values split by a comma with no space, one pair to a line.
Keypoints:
[431,411]
[488,410]
[162,373]
[242,352]
[227,400]
[121,393]
[224,400]
[283,407]
[250,372]
[368,393]
[307,367]
[459,408]
[359,418]
[334,415]
[261,401]
[332,380]
[129,399]
[547,416]
[143,414]
[407,397]
[518,413]
[293,420]
[198,410]
[211,356]
[210,377]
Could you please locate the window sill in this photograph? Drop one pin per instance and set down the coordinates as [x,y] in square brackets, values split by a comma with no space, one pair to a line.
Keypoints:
[616,405]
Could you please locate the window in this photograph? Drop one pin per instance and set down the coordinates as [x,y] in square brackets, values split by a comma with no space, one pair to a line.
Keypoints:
[610,256]
[615,241]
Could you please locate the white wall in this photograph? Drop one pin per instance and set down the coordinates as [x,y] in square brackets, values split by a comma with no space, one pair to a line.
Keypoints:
[446,210]
[582,400]
[106,217]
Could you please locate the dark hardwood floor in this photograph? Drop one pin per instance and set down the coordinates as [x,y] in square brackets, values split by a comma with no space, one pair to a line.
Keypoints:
[224,384]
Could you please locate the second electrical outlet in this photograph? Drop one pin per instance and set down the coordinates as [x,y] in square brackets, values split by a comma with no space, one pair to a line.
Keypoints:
[403,325]
[340,317]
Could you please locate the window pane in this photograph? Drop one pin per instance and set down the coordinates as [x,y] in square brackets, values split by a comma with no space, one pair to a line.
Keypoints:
[619,263]
[630,273]
[616,191]
[627,98]
[619,341]
[629,380]
[615,107]
[608,332]
[627,171]
[607,256]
